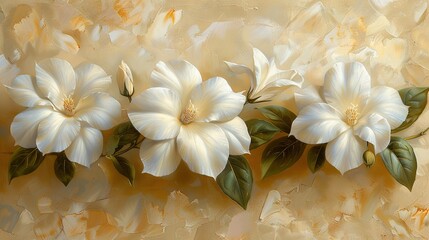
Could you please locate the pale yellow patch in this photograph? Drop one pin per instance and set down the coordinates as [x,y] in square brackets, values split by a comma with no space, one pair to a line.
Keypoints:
[189,114]
[352,114]
[69,107]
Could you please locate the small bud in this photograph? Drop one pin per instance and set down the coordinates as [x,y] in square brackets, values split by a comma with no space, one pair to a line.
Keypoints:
[368,158]
[125,80]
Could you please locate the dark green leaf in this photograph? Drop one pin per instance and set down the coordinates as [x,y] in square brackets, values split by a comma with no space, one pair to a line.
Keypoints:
[400,160]
[123,134]
[64,169]
[281,154]
[416,99]
[236,180]
[316,157]
[124,167]
[24,161]
[279,116]
[260,132]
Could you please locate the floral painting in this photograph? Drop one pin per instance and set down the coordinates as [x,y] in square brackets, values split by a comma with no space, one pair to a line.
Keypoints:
[147,119]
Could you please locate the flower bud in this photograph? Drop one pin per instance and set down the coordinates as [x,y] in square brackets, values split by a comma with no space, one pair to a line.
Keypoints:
[368,158]
[125,80]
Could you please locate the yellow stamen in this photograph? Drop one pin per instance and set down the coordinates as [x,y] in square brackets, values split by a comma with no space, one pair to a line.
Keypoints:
[352,114]
[69,107]
[189,114]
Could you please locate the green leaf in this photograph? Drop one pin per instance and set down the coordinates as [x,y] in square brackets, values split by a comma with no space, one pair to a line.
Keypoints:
[24,161]
[316,157]
[260,132]
[279,116]
[236,180]
[281,154]
[124,167]
[400,160]
[416,99]
[64,169]
[123,134]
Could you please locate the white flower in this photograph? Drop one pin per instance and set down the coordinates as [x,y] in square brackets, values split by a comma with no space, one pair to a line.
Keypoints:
[125,80]
[346,113]
[266,79]
[67,108]
[185,118]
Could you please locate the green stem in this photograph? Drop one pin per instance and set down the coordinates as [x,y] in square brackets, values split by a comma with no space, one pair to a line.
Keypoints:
[417,135]
[135,145]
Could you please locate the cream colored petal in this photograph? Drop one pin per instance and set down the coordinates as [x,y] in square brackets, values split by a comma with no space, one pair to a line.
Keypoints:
[55,78]
[123,38]
[374,129]
[318,123]
[386,102]
[215,101]
[155,113]
[307,96]
[56,132]
[99,110]
[65,42]
[22,91]
[237,135]
[346,84]
[8,71]
[345,152]
[162,23]
[24,125]
[160,158]
[86,147]
[90,78]
[180,76]
[204,147]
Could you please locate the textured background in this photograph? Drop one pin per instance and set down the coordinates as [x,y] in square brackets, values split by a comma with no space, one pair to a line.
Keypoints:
[389,37]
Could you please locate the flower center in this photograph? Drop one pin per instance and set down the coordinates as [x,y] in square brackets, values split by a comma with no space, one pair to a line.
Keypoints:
[68,104]
[352,114]
[189,114]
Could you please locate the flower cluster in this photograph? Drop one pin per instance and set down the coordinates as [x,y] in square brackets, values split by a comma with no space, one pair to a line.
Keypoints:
[175,115]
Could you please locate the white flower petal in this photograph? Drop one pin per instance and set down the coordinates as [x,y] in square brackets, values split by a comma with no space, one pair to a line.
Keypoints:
[100,110]
[239,69]
[277,83]
[56,132]
[345,152]
[86,147]
[216,101]
[318,123]
[155,113]
[386,102]
[55,79]
[346,84]
[376,130]
[90,78]
[160,158]
[261,68]
[22,91]
[24,125]
[237,135]
[204,147]
[307,96]
[180,76]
